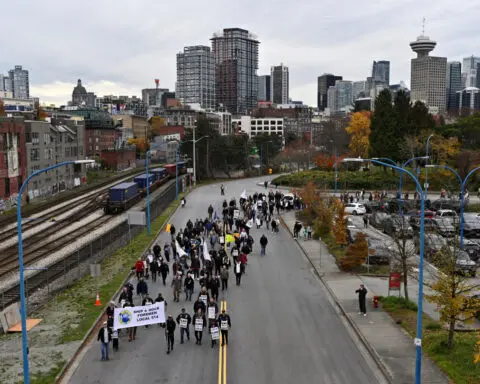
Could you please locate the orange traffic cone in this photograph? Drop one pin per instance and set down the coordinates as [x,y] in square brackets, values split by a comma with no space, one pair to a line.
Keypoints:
[97,301]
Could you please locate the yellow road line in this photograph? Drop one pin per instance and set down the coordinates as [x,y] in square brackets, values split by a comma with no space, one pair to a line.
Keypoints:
[225,353]
[220,354]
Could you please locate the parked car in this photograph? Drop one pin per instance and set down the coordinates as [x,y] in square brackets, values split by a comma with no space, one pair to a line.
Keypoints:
[473,249]
[377,219]
[447,214]
[398,226]
[471,225]
[443,226]
[374,206]
[378,252]
[355,209]
[432,244]
[464,264]
[449,204]
[429,224]
[288,200]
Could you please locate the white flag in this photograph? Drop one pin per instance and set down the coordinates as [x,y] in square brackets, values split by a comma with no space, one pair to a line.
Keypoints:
[206,255]
[180,250]
[244,194]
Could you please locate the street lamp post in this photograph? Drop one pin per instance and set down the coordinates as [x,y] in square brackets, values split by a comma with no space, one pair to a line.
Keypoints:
[418,339]
[426,168]
[463,184]
[147,156]
[176,160]
[23,312]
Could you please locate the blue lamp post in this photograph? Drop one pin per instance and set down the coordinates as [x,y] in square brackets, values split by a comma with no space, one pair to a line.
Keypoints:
[148,192]
[426,168]
[463,184]
[23,312]
[418,339]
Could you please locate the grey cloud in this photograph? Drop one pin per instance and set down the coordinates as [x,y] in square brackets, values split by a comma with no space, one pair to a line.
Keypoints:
[131,43]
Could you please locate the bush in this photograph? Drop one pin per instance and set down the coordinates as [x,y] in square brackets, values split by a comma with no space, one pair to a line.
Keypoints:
[393,303]
[356,254]
[433,326]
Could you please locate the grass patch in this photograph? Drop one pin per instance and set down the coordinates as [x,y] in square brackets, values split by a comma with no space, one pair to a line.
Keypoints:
[457,363]
[80,297]
[47,377]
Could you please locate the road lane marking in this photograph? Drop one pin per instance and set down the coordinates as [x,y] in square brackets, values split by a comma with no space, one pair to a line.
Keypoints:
[224,352]
[220,351]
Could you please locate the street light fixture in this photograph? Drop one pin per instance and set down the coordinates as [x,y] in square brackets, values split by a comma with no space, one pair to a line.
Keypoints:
[418,339]
[23,311]
[463,184]
[426,170]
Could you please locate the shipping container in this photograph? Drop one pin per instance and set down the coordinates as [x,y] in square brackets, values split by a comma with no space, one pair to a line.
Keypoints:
[170,168]
[159,172]
[142,180]
[123,192]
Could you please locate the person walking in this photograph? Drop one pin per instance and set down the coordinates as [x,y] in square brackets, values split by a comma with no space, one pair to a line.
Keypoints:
[210,212]
[199,323]
[189,284]
[225,325]
[263,244]
[212,311]
[362,294]
[170,333]
[177,284]
[184,320]
[238,271]
[365,221]
[224,278]
[214,332]
[142,288]
[164,271]
[139,268]
[154,269]
[104,336]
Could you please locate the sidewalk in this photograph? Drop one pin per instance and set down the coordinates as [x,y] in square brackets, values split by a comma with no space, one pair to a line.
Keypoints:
[389,344]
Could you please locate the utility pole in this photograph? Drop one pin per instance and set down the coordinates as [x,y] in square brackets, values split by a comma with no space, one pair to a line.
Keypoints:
[208,157]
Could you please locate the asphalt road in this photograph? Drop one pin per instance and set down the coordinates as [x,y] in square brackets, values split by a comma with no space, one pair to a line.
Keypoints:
[284,327]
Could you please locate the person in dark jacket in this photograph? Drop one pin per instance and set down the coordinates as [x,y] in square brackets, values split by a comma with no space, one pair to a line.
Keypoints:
[199,323]
[172,232]
[142,288]
[156,250]
[189,284]
[104,336]
[170,333]
[195,266]
[362,294]
[184,320]
[160,299]
[263,244]
[154,269]
[199,305]
[215,286]
[224,278]
[210,211]
[164,271]
[166,252]
[214,326]
[225,324]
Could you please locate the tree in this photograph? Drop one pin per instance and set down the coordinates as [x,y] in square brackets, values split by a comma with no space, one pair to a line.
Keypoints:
[466,129]
[476,355]
[384,138]
[340,224]
[402,251]
[156,124]
[359,131]
[141,145]
[356,253]
[452,291]
[2,109]
[40,113]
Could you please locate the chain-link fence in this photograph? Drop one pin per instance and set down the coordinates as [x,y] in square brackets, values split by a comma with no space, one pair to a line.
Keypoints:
[44,284]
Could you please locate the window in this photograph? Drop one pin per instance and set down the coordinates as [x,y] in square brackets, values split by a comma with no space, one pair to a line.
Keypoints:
[34,154]
[7,186]
[67,152]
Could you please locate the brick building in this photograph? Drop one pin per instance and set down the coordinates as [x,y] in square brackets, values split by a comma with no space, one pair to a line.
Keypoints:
[172,130]
[119,159]
[12,158]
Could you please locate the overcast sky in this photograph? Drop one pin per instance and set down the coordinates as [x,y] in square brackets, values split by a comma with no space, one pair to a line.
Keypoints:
[120,47]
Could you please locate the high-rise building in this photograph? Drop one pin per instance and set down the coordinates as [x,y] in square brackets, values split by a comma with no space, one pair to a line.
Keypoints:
[381,72]
[264,88]
[325,81]
[236,62]
[279,84]
[340,96]
[18,83]
[428,76]
[196,76]
[359,89]
[469,73]
[468,101]
[454,84]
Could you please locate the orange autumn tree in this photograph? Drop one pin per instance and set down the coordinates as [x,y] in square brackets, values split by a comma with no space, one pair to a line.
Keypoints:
[359,131]
[340,223]
[356,253]
[326,162]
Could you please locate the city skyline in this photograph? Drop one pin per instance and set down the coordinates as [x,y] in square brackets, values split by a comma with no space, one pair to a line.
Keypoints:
[127,65]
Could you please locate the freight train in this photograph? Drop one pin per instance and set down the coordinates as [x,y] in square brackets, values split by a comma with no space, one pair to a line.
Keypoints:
[124,195]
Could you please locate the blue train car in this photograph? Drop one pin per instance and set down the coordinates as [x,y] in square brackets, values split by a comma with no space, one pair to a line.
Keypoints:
[160,173]
[123,192]
[143,179]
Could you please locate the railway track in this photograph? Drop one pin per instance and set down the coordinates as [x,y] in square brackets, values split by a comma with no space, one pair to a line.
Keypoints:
[7,234]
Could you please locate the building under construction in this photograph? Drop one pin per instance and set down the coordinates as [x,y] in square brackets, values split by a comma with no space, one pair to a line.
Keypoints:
[236,62]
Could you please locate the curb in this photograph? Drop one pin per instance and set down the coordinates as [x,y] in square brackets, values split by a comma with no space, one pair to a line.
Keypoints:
[373,353]
[90,332]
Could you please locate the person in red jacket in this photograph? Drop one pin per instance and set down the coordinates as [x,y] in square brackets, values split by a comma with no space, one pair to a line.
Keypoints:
[243,260]
[139,267]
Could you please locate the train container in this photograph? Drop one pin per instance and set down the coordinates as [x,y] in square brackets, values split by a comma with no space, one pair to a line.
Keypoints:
[159,172]
[123,192]
[170,168]
[142,180]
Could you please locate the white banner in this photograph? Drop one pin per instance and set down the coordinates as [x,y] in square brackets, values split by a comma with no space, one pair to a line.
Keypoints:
[138,316]
[180,250]
[215,333]
[183,323]
[224,325]
[206,255]
[199,325]
[211,312]
[244,194]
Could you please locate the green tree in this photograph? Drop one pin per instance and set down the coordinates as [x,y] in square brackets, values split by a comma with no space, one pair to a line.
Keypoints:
[384,140]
